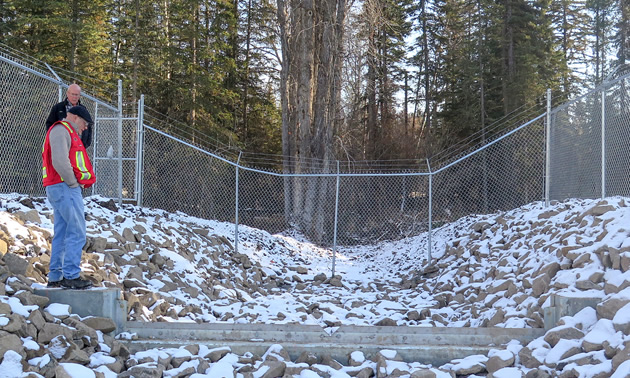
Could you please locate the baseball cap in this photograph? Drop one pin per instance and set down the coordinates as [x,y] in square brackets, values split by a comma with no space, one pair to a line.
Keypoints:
[82,112]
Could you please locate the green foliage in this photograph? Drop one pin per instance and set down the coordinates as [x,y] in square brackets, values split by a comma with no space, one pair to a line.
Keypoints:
[463,64]
[190,58]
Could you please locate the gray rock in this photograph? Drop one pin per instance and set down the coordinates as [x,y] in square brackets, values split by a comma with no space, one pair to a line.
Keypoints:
[147,370]
[178,361]
[423,373]
[609,307]
[51,330]
[475,368]
[105,325]
[37,319]
[4,247]
[76,355]
[386,322]
[16,323]
[308,358]
[216,354]
[621,356]
[9,341]
[29,299]
[272,369]
[328,360]
[527,358]
[50,368]
[540,285]
[28,216]
[116,366]
[15,263]
[562,332]
[60,372]
[81,329]
[499,361]
[624,261]
[549,269]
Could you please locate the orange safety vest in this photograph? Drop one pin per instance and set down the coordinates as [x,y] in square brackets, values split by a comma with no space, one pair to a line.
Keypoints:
[79,160]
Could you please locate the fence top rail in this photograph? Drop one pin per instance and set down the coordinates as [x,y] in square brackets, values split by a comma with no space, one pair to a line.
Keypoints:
[281,174]
[605,85]
[490,143]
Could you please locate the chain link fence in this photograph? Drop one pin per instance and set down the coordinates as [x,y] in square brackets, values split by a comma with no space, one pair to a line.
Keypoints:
[164,164]
[590,144]
[28,92]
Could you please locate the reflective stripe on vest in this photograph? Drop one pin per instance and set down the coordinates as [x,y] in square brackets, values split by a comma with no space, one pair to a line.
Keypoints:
[85,174]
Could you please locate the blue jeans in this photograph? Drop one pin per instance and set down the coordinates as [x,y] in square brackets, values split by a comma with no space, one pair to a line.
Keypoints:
[69,231]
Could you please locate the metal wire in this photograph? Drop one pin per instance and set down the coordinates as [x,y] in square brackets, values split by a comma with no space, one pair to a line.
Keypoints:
[346,202]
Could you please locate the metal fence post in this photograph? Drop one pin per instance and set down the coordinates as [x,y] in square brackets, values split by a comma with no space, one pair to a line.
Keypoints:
[59,85]
[120,142]
[430,213]
[140,152]
[603,142]
[548,149]
[238,162]
[336,221]
[95,147]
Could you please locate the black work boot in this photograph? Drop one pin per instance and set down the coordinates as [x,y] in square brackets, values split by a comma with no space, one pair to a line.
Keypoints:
[54,284]
[76,283]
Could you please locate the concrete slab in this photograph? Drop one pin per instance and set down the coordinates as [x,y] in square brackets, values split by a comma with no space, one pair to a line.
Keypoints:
[427,345]
[104,302]
[435,355]
[566,306]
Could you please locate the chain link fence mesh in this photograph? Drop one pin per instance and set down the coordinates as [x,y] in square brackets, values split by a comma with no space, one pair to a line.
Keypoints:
[28,93]
[579,166]
[23,118]
[358,202]
[180,177]
[505,175]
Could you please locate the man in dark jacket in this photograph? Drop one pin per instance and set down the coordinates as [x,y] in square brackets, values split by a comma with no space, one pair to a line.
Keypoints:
[59,111]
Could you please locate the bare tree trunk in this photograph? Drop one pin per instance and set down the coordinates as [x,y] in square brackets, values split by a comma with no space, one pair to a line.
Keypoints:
[508,58]
[194,46]
[624,31]
[482,104]
[427,122]
[134,86]
[565,45]
[328,36]
[311,52]
[74,36]
[287,140]
[247,56]
[406,106]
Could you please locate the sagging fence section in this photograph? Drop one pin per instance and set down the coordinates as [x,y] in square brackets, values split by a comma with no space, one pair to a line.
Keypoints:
[580,149]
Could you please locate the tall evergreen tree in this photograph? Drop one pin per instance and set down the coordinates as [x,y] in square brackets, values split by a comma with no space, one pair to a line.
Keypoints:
[602,22]
[569,19]
[385,27]
[622,38]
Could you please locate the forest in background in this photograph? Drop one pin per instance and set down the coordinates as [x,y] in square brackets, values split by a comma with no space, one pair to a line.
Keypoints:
[325,80]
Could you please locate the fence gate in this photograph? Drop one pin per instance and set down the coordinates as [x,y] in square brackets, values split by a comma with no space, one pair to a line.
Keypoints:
[114,154]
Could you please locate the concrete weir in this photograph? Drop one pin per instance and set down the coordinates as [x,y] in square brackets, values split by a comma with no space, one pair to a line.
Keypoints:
[102,302]
[421,344]
[431,345]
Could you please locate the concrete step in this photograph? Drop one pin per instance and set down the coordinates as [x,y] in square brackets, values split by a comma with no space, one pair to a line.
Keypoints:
[420,344]
[104,302]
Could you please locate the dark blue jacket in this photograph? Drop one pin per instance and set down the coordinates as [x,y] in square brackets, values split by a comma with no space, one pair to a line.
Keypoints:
[58,113]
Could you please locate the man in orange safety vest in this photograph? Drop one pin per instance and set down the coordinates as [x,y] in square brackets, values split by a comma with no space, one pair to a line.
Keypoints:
[66,169]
